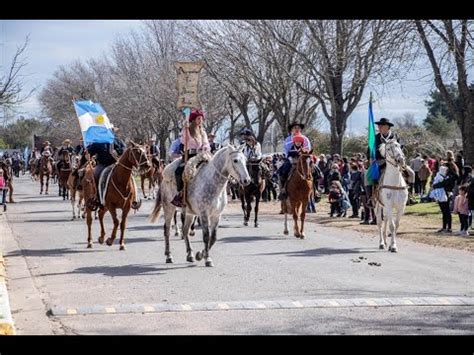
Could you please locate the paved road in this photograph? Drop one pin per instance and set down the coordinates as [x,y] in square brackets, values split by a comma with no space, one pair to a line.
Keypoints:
[263,281]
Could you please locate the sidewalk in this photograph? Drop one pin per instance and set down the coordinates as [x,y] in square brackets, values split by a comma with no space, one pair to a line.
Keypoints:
[6,320]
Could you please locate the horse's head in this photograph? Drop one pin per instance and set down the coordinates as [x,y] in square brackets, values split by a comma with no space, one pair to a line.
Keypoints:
[236,164]
[138,158]
[305,164]
[254,168]
[391,150]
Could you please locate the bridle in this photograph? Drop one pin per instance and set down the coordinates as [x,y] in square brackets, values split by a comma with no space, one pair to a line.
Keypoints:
[218,171]
[301,165]
[136,163]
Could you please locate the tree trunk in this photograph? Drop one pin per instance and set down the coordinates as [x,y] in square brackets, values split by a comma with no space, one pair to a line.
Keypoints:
[163,148]
[467,134]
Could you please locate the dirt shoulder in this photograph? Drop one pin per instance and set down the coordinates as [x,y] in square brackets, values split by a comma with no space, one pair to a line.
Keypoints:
[419,224]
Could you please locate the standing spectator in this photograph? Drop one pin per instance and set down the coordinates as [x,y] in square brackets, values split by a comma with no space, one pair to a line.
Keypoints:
[424,173]
[345,174]
[441,184]
[3,191]
[416,164]
[461,207]
[459,161]
[334,198]
[355,185]
[470,193]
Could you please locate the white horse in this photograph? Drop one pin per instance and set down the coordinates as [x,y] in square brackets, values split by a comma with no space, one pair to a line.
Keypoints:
[393,193]
[206,198]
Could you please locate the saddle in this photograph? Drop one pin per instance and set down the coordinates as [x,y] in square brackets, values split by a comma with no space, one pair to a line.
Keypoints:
[194,165]
[104,183]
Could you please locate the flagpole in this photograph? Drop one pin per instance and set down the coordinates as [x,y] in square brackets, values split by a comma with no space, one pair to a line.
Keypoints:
[186,112]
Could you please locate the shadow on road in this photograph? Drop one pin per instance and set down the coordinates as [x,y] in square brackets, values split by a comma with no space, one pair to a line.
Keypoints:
[46,211]
[322,252]
[123,270]
[245,239]
[50,252]
[144,228]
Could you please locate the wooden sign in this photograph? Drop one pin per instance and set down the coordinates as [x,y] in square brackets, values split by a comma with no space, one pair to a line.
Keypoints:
[188,81]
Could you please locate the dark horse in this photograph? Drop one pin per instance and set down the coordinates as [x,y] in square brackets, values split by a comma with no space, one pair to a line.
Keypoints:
[8,179]
[254,189]
[64,170]
[120,193]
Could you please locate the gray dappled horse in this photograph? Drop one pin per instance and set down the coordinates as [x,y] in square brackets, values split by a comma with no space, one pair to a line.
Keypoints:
[206,198]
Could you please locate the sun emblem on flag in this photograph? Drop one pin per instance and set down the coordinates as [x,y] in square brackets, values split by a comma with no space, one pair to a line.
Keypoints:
[99,119]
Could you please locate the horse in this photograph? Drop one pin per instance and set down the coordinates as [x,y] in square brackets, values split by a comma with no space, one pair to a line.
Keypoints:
[392,193]
[299,189]
[254,189]
[206,198]
[154,176]
[120,193]
[64,170]
[8,178]
[46,169]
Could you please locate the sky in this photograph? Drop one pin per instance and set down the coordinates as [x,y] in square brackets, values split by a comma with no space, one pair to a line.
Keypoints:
[60,42]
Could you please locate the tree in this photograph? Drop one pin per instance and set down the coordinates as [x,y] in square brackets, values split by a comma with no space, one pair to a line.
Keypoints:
[449,48]
[436,104]
[341,55]
[12,84]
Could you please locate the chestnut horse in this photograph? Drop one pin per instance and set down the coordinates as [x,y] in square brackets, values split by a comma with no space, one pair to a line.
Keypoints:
[46,169]
[299,189]
[120,193]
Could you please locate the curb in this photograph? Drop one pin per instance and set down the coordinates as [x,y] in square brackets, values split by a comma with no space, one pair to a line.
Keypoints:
[6,321]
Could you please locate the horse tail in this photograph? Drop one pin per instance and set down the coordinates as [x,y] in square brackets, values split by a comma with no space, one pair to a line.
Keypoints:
[156,211]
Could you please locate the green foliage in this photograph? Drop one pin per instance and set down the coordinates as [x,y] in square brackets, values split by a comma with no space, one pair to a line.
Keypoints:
[441,126]
[3,144]
[18,134]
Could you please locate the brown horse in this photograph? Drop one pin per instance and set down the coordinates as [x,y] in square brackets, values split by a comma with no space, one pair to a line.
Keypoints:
[299,189]
[8,178]
[64,171]
[120,193]
[154,176]
[46,169]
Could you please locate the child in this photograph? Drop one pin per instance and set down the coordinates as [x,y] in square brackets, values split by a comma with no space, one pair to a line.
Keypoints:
[3,191]
[440,196]
[334,197]
[462,209]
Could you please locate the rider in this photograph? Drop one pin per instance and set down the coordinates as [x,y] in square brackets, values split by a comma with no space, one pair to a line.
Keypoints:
[153,151]
[46,150]
[384,127]
[214,146]
[295,129]
[66,147]
[252,149]
[175,148]
[196,142]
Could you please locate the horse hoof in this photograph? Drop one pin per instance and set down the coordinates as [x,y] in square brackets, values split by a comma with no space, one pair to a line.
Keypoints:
[246,224]
[256,225]
[302,236]
[199,256]
[101,240]
[285,232]
[41,193]
[169,260]
[190,259]
[191,233]
[89,246]
[382,247]
[46,193]
[209,263]
[109,242]
[393,250]
[122,247]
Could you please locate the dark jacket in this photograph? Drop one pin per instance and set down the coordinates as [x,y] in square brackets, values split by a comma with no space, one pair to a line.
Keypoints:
[102,152]
[334,176]
[470,194]
[378,142]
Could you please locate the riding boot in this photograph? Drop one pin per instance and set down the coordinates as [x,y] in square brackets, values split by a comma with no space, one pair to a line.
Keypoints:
[283,195]
[178,199]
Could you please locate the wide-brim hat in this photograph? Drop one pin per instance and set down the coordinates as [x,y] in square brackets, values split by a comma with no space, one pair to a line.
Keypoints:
[291,125]
[66,141]
[384,121]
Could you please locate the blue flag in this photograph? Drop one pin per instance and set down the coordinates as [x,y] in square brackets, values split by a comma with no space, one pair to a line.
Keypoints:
[373,173]
[95,125]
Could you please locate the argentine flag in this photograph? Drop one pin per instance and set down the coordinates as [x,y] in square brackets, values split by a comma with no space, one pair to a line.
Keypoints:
[95,125]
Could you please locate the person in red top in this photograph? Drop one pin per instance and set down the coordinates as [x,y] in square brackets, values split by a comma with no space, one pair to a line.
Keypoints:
[3,190]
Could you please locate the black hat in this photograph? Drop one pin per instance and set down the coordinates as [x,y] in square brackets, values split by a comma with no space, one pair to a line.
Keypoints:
[291,125]
[247,132]
[384,121]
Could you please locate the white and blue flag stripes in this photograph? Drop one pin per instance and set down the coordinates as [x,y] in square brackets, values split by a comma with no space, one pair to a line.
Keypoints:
[95,125]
